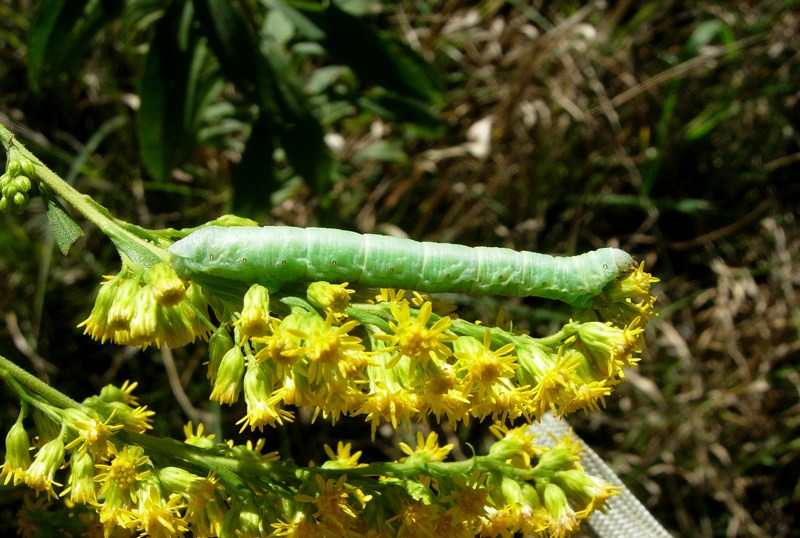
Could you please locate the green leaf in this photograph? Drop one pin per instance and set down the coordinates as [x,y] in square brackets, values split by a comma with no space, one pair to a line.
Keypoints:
[254,177]
[176,86]
[236,46]
[400,108]
[376,58]
[65,230]
[61,31]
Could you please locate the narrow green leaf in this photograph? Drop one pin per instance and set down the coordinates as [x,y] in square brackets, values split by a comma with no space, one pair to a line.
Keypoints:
[65,230]
[254,177]
[174,90]
[235,45]
[61,31]
[375,57]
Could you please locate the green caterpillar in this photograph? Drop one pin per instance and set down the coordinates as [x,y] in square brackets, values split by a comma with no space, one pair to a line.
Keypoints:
[276,256]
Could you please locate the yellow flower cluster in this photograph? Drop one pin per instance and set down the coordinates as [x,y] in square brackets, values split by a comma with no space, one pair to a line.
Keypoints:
[147,307]
[395,361]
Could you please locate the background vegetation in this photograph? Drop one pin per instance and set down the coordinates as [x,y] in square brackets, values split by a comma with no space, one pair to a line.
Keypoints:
[667,128]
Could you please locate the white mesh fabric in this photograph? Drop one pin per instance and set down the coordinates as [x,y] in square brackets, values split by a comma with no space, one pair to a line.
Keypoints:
[625,516]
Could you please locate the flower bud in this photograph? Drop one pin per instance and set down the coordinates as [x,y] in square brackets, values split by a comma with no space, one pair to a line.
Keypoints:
[18,456]
[254,320]
[81,479]
[123,304]
[329,297]
[228,383]
[218,345]
[48,460]
[168,288]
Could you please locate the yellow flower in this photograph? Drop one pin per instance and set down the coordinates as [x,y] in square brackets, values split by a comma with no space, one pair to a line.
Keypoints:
[123,471]
[254,319]
[93,433]
[81,479]
[481,365]
[331,501]
[342,458]
[330,350]
[48,460]
[428,450]
[563,519]
[442,394]
[156,516]
[413,338]
[167,287]
[388,401]
[329,297]
[228,383]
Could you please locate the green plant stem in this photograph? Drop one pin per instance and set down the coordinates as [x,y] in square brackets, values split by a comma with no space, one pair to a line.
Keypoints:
[87,207]
[36,385]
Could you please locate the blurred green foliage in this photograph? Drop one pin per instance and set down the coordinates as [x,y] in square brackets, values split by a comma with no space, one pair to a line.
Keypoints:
[667,128]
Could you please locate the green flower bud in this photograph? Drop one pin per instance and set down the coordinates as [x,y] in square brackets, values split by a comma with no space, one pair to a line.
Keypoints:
[254,320]
[563,519]
[81,479]
[218,345]
[13,168]
[48,460]
[168,288]
[18,456]
[228,383]
[27,167]
[21,183]
[555,459]
[144,323]
[329,297]
[123,305]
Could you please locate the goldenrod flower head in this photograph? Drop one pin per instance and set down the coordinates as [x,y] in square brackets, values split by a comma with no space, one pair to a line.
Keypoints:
[482,366]
[442,393]
[586,491]
[330,501]
[123,394]
[18,456]
[417,519]
[554,459]
[228,383]
[254,318]
[196,437]
[280,347]
[218,345]
[634,285]
[81,479]
[93,433]
[261,410]
[198,491]
[48,460]
[243,520]
[342,458]
[515,445]
[123,306]
[123,471]
[563,519]
[608,347]
[330,351]
[329,297]
[167,287]
[156,516]
[427,450]
[97,324]
[413,338]
[144,323]
[390,402]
